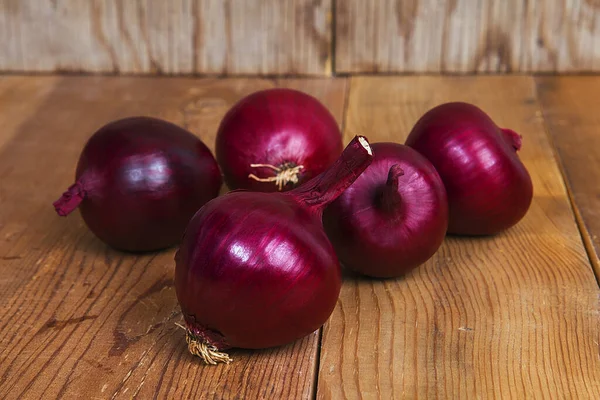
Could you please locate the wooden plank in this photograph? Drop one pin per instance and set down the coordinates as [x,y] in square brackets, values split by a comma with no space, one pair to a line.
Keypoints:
[510,316]
[569,109]
[167,37]
[79,320]
[467,36]
[20,97]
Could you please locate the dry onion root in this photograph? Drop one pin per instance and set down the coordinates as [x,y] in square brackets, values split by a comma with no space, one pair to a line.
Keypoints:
[208,353]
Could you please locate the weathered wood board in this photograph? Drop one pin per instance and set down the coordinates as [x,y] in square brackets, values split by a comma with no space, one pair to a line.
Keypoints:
[79,320]
[232,37]
[510,316]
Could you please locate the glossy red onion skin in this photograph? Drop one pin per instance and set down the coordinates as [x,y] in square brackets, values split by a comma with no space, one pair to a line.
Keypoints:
[256,270]
[296,285]
[277,127]
[388,237]
[143,179]
[489,189]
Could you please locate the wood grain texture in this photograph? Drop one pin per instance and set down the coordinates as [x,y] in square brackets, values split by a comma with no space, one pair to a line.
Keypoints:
[19,99]
[79,320]
[467,36]
[570,112]
[167,37]
[511,316]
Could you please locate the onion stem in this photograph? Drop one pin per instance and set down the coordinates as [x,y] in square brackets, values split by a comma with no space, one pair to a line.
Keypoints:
[70,199]
[326,187]
[513,138]
[390,199]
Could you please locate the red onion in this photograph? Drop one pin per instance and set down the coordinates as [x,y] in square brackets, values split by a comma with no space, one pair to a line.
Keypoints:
[489,189]
[256,270]
[139,180]
[394,216]
[276,139]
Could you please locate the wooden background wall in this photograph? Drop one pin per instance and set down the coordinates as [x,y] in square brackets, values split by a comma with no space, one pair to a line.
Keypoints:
[299,37]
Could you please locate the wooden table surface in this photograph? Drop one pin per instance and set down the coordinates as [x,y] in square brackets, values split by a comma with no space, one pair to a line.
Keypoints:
[511,316]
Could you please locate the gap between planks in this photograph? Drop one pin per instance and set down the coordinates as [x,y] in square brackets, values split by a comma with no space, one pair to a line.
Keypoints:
[586,235]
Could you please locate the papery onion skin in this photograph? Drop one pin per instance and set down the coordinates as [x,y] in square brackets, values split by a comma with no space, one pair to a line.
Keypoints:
[489,189]
[393,218]
[299,278]
[256,270]
[139,180]
[281,128]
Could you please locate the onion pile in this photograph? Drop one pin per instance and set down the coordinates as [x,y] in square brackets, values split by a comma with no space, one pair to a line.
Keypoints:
[256,270]
[489,189]
[276,139]
[139,180]
[394,216]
